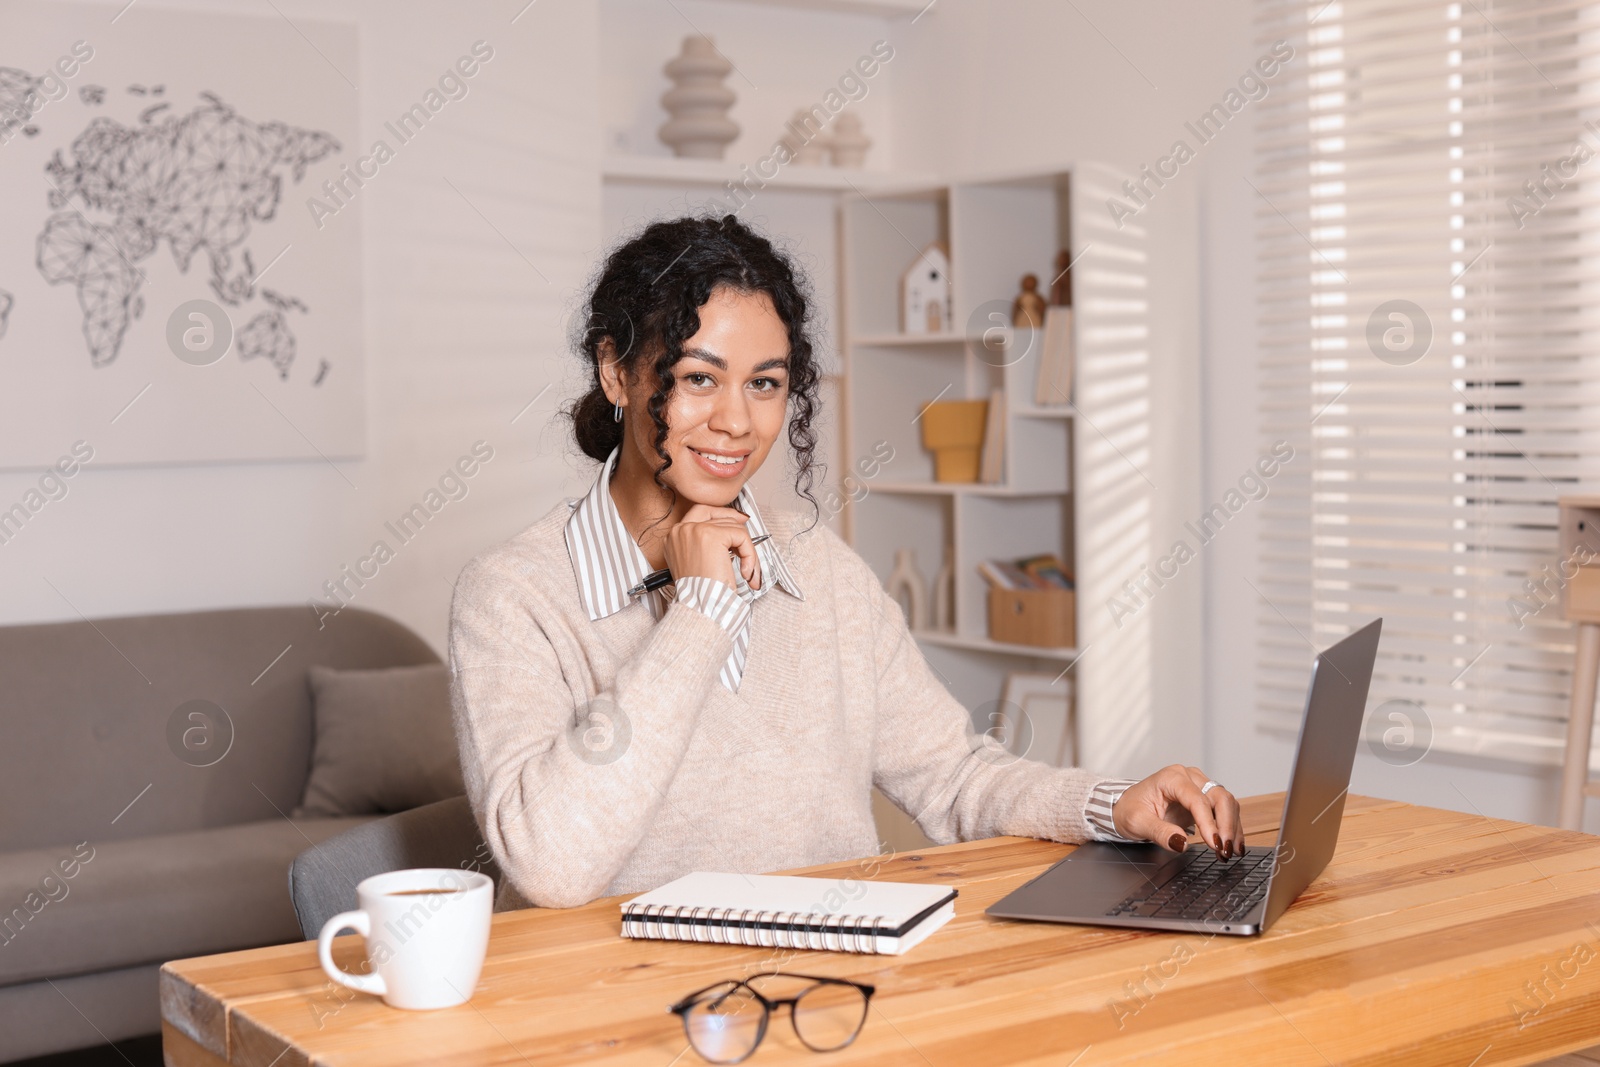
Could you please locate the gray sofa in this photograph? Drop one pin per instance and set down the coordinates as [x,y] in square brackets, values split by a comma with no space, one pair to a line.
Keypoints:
[120,848]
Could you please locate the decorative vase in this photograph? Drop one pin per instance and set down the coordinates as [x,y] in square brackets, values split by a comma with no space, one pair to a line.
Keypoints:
[944,595]
[807,143]
[849,143]
[698,102]
[953,431]
[906,579]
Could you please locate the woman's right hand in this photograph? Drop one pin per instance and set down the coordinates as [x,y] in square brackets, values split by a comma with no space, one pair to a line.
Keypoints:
[702,541]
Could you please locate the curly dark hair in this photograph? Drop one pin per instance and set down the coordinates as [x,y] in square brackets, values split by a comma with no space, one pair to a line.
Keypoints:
[646,301]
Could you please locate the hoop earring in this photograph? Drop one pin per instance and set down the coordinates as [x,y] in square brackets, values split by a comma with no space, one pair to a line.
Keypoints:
[616,413]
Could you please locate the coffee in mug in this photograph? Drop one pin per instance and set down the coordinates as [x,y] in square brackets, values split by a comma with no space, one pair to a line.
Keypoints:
[427,931]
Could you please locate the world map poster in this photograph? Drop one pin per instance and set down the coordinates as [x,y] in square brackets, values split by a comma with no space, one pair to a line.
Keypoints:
[166,293]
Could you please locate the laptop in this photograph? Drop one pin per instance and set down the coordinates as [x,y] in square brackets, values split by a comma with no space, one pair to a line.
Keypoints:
[1146,887]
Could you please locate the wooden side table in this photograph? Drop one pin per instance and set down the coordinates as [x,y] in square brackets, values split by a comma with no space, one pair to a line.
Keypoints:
[1580,541]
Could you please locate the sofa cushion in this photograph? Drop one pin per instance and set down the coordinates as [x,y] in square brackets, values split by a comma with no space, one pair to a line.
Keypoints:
[384,741]
[98,717]
[152,899]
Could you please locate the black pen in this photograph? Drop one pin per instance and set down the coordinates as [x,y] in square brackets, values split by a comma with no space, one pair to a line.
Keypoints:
[657,579]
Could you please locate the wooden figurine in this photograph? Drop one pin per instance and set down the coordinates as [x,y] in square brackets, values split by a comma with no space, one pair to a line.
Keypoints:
[1027,310]
[1061,288]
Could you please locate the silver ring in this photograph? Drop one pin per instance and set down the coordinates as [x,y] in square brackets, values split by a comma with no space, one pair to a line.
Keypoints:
[1208,787]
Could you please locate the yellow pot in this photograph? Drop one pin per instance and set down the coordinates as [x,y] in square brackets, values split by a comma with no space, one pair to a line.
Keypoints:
[953,431]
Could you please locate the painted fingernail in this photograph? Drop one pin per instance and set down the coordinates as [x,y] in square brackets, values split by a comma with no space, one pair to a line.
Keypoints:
[1176,842]
[1216,839]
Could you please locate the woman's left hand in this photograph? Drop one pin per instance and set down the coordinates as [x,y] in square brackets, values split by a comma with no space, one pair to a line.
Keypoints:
[1158,808]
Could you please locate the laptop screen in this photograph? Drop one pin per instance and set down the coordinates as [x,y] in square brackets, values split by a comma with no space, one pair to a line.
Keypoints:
[1329,732]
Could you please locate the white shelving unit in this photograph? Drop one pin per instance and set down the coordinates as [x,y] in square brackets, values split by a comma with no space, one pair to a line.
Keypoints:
[996,231]
[892,8]
[1000,648]
[715,172]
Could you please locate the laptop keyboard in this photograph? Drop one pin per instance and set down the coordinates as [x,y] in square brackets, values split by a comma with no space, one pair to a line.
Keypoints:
[1205,888]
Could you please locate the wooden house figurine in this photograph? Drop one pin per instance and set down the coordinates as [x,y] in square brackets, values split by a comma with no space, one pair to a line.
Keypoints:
[925,292]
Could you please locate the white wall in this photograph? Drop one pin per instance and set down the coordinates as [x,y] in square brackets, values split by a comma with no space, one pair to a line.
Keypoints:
[461,332]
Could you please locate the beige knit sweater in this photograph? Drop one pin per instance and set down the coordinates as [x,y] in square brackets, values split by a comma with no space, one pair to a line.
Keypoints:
[604,757]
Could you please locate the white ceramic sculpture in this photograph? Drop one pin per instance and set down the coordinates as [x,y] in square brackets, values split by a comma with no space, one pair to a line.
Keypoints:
[849,142]
[698,102]
[908,588]
[808,144]
[925,292]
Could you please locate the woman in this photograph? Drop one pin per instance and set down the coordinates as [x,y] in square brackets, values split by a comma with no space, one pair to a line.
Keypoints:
[737,719]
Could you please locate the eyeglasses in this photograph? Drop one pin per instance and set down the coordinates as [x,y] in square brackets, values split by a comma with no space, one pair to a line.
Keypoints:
[725,1022]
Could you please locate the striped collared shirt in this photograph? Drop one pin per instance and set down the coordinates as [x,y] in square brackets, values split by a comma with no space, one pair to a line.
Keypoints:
[1097,813]
[608,563]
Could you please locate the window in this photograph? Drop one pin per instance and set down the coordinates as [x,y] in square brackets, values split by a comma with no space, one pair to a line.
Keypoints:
[1429,231]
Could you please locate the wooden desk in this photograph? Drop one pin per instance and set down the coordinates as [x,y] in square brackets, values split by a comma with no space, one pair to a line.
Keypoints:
[1412,948]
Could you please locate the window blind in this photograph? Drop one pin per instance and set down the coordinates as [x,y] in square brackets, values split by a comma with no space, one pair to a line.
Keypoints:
[1429,312]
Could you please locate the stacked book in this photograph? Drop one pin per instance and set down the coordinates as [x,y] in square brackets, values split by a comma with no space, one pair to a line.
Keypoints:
[1033,572]
[1054,383]
[992,468]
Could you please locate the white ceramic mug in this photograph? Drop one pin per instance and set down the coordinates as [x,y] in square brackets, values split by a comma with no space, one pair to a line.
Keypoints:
[427,931]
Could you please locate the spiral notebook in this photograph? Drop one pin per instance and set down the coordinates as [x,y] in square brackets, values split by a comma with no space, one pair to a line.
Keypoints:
[782,911]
